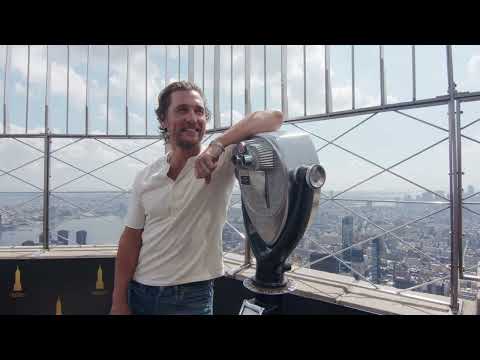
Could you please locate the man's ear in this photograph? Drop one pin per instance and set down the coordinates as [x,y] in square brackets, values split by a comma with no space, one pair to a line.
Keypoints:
[163,124]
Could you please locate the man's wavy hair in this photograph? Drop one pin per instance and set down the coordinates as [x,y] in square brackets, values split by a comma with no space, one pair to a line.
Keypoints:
[165,99]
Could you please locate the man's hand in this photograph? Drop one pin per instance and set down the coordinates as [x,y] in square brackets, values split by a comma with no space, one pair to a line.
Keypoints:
[206,163]
[120,309]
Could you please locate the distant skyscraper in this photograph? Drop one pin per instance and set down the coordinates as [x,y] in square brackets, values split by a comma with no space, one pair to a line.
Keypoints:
[41,239]
[357,262]
[402,282]
[81,237]
[62,237]
[330,265]
[347,240]
[375,265]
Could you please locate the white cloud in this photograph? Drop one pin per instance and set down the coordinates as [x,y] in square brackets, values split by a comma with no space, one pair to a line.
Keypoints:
[473,66]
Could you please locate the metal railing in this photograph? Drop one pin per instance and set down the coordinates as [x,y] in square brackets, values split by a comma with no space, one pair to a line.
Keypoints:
[452,98]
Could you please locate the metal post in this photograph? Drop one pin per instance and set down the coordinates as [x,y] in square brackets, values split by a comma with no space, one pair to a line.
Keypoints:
[328,87]
[248,109]
[203,68]
[454,201]
[46,190]
[86,91]
[28,89]
[284,80]
[108,89]
[191,63]
[353,77]
[458,142]
[68,83]
[265,77]
[5,81]
[126,90]
[304,80]
[383,95]
[248,102]
[179,57]
[146,90]
[46,163]
[47,93]
[216,87]
[414,75]
[231,85]
[166,65]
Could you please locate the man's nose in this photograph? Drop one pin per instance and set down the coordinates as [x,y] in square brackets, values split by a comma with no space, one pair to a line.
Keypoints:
[191,116]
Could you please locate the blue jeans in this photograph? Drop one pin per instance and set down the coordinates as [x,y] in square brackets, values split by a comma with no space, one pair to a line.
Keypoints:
[186,299]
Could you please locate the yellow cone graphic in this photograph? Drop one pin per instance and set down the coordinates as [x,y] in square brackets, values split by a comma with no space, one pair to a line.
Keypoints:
[99,284]
[18,284]
[58,307]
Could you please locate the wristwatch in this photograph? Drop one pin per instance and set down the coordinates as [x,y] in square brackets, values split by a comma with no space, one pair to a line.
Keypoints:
[219,145]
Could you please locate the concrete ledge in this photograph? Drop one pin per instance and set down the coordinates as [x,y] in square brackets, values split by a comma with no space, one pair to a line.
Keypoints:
[346,291]
[313,284]
[58,252]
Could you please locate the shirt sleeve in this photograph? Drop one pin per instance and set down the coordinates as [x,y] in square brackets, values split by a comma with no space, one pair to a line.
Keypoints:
[135,218]
[225,161]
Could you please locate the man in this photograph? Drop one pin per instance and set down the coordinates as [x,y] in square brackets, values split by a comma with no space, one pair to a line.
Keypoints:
[171,248]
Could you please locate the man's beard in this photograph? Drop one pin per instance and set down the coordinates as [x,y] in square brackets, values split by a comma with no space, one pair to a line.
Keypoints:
[186,145]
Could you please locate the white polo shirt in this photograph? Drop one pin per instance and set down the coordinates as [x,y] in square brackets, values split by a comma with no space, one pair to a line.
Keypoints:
[182,221]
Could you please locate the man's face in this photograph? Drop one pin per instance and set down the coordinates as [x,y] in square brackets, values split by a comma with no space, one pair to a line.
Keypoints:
[186,118]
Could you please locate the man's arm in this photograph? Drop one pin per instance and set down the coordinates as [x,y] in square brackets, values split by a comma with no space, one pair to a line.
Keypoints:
[257,122]
[125,265]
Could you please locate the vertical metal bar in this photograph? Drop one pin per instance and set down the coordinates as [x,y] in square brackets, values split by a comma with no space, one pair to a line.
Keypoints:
[86,91]
[284,79]
[166,65]
[203,68]
[28,89]
[454,235]
[5,81]
[265,77]
[126,90]
[47,93]
[231,85]
[108,89]
[191,63]
[458,143]
[68,84]
[353,77]
[46,162]
[328,87]
[146,89]
[248,102]
[383,97]
[216,87]
[304,80]
[46,191]
[414,75]
[248,109]
[178,62]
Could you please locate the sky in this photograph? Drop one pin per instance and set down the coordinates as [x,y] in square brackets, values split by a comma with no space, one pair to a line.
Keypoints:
[385,139]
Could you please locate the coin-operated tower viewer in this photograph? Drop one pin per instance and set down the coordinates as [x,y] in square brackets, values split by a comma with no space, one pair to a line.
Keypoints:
[280,180]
